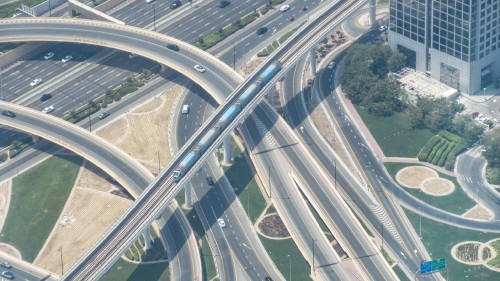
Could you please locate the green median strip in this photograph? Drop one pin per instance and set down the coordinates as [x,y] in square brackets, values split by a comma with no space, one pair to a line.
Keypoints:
[276,43]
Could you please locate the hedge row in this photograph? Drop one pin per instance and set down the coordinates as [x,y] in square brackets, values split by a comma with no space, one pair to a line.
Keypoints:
[3,157]
[453,138]
[435,149]
[426,150]
[445,155]
[19,145]
[214,38]
[450,160]
[439,153]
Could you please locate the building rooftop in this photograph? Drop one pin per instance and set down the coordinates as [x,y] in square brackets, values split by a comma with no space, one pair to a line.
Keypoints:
[418,83]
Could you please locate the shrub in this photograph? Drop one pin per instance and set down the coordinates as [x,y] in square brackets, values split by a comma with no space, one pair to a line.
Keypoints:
[453,138]
[424,152]
[450,160]
[441,161]
[435,149]
[438,154]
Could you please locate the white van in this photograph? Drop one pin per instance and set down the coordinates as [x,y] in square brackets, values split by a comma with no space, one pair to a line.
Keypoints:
[185,109]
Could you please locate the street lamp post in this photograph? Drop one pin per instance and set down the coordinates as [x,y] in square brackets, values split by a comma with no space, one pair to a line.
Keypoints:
[159,168]
[415,275]
[62,263]
[234,57]
[154,16]
[314,269]
[90,120]
[290,264]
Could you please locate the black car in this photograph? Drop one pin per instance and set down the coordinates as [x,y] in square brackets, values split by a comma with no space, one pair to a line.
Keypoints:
[224,3]
[173,47]
[8,113]
[45,97]
[175,4]
[210,180]
[103,115]
[262,30]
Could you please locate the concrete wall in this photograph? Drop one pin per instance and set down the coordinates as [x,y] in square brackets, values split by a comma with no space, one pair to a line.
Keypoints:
[20,52]
[76,8]
[43,8]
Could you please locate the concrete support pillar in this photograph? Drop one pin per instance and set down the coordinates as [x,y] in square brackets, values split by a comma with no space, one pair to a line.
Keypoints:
[187,195]
[270,95]
[373,12]
[312,60]
[227,150]
[147,238]
[35,138]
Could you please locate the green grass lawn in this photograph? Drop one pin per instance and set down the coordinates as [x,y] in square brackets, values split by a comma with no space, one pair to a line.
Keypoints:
[241,177]
[400,273]
[209,269]
[394,134]
[279,250]
[439,238]
[125,271]
[496,260]
[38,197]
[457,203]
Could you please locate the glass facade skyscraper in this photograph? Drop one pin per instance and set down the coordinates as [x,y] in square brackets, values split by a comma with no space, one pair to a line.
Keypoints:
[456,41]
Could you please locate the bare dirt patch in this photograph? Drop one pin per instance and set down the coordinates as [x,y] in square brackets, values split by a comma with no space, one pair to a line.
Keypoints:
[272,226]
[251,65]
[5,188]
[86,217]
[478,212]
[414,176]
[437,186]
[10,250]
[93,177]
[149,135]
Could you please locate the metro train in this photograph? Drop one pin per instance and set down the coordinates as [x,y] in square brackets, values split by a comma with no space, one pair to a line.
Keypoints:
[225,120]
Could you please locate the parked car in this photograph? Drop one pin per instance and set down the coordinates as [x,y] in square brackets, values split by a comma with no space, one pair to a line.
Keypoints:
[210,180]
[48,109]
[262,30]
[173,47]
[382,28]
[36,82]
[221,222]
[67,58]
[8,114]
[284,8]
[8,274]
[45,97]
[224,3]
[103,115]
[199,68]
[48,56]
[331,65]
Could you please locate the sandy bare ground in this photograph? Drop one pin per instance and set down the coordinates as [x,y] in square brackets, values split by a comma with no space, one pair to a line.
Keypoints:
[478,212]
[414,176]
[437,186]
[5,189]
[251,65]
[89,212]
[10,250]
[143,132]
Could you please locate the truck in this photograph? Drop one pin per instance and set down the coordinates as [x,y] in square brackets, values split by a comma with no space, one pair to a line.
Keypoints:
[185,165]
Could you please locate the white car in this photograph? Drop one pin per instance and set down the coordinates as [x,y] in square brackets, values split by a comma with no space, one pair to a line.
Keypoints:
[36,82]
[132,55]
[221,223]
[382,28]
[199,68]
[48,56]
[48,109]
[284,8]
[331,65]
[67,58]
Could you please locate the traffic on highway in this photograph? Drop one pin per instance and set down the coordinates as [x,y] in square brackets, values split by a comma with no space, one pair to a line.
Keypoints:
[236,84]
